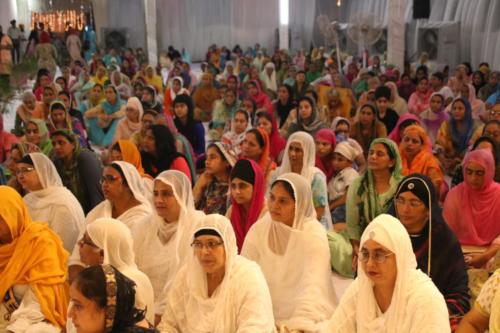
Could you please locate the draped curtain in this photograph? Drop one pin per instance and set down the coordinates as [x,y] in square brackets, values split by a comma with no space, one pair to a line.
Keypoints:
[479,24]
[196,24]
[301,23]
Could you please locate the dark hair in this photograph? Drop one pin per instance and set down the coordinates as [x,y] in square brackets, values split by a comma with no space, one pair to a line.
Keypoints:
[58,105]
[313,93]
[422,79]
[98,85]
[489,122]
[389,151]
[116,147]
[166,151]
[26,159]
[343,121]
[288,187]
[308,100]
[371,106]
[69,136]
[383,92]
[264,114]
[258,136]
[244,112]
[65,93]
[496,151]
[150,112]
[254,105]
[120,171]
[91,283]
[438,75]
[405,123]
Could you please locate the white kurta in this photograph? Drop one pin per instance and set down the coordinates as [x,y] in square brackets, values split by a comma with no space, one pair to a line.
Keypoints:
[241,303]
[55,204]
[296,263]
[416,304]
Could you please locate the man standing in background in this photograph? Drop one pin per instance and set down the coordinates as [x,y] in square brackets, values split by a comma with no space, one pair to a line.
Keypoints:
[15,35]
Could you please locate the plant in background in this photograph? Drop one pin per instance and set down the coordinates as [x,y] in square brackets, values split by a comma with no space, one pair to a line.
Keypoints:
[21,73]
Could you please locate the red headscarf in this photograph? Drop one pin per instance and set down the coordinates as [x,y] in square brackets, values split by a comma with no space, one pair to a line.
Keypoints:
[473,214]
[277,142]
[325,165]
[45,37]
[261,99]
[241,224]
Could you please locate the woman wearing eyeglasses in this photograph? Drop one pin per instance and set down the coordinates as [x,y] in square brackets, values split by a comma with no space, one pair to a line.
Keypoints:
[435,246]
[390,294]
[107,241]
[125,201]
[417,157]
[48,200]
[161,243]
[217,290]
[291,248]
[79,168]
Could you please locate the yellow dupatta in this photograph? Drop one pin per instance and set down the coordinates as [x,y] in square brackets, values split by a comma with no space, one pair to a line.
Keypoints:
[35,257]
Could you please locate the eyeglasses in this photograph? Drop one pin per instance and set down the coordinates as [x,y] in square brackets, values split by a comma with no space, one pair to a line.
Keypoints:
[414,203]
[198,246]
[378,256]
[109,179]
[22,171]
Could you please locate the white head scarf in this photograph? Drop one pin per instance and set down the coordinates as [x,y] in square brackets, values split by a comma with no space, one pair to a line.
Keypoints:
[183,90]
[303,298]
[135,103]
[115,239]
[134,181]
[387,231]
[218,313]
[45,204]
[309,159]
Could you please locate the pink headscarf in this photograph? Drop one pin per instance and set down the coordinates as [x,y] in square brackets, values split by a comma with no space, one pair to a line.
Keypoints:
[261,99]
[474,214]
[395,134]
[326,166]
[6,141]
[241,226]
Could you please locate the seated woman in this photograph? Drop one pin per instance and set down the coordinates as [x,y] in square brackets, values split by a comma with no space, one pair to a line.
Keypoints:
[390,294]
[308,119]
[416,205]
[284,107]
[300,156]
[342,128]
[485,313]
[161,243]
[160,153]
[403,122]
[290,236]
[456,134]
[32,271]
[260,98]
[171,93]
[132,122]
[240,123]
[204,97]
[224,111]
[325,145]
[217,290]
[434,116]
[247,198]
[417,157]
[24,113]
[396,102]
[125,201]
[79,169]
[419,100]
[102,301]
[472,209]
[266,121]
[104,118]
[48,200]
[211,190]
[107,241]
[60,119]
[37,134]
[370,195]
[186,125]
[256,146]
[367,128]
[6,141]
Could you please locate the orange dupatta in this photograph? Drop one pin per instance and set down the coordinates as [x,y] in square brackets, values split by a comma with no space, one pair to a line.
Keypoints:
[35,257]
[131,154]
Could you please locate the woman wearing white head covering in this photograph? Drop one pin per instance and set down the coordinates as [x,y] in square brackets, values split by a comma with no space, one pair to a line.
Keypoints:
[48,200]
[132,122]
[300,158]
[124,191]
[162,243]
[217,290]
[390,294]
[268,78]
[292,250]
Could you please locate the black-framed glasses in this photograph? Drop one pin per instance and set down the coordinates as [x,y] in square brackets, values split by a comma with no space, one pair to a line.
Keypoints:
[210,245]
[22,171]
[378,256]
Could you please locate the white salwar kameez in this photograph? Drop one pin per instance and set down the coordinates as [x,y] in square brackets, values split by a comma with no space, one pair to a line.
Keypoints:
[240,304]
[296,263]
[416,305]
[160,247]
[105,208]
[54,203]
